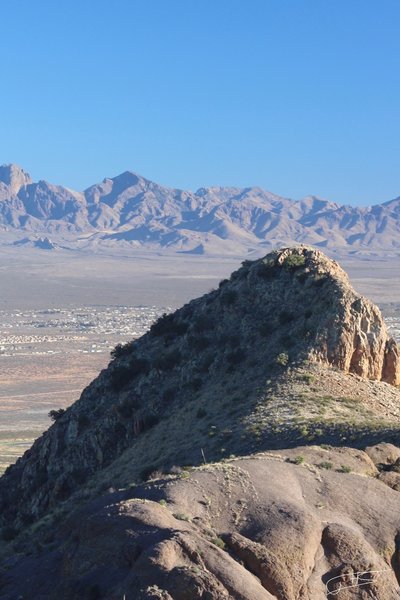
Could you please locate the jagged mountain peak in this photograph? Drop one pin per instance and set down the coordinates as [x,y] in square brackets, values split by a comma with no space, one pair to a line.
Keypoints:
[216,220]
[14,177]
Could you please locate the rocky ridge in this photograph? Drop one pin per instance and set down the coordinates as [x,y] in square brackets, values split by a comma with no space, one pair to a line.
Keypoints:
[129,211]
[284,353]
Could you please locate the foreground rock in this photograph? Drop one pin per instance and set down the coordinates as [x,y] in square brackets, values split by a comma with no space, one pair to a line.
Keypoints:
[304,524]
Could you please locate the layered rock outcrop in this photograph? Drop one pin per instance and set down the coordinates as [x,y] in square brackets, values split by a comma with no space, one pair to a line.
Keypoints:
[307,524]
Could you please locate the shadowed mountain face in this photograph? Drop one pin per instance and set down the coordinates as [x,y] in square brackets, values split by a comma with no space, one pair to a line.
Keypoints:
[283,355]
[131,211]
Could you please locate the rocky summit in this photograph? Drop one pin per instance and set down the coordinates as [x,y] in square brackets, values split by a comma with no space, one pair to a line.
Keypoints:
[245,447]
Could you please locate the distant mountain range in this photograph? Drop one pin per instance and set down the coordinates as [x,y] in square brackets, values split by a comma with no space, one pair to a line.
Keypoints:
[129,211]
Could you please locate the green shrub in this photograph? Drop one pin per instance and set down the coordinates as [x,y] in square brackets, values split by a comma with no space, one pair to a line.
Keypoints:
[218,542]
[307,378]
[181,516]
[344,469]
[326,464]
[298,460]
[294,261]
[282,359]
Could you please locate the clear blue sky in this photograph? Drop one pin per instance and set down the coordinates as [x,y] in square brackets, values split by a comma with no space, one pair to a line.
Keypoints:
[296,96]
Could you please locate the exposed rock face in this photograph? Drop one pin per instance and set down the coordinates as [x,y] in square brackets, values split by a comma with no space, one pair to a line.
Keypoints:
[256,528]
[353,336]
[207,377]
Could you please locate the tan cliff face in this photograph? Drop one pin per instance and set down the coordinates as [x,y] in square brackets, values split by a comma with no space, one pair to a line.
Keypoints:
[354,337]
[262,362]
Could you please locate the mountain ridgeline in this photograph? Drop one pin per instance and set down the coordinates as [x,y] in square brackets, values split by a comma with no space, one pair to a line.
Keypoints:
[244,368]
[129,211]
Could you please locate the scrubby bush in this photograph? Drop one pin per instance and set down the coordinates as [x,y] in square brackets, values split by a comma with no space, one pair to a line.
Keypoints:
[56,414]
[122,350]
[326,464]
[218,542]
[294,261]
[344,469]
[282,359]
[168,324]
